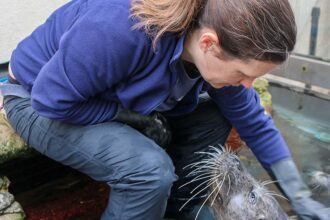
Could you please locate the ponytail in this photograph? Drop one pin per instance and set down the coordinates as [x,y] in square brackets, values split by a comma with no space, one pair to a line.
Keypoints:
[161,16]
[247,29]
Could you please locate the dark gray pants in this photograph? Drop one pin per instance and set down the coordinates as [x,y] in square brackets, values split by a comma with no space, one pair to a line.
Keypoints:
[139,172]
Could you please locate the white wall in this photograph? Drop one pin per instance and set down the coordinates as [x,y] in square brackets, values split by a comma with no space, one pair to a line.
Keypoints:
[18,18]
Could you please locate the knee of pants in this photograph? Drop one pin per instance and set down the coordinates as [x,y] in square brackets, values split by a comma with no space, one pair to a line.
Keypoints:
[153,169]
[158,166]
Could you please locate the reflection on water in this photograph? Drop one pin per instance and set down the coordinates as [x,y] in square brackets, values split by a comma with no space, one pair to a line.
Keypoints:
[309,142]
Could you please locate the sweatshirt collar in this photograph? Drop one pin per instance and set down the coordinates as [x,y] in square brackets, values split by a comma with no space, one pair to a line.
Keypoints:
[174,64]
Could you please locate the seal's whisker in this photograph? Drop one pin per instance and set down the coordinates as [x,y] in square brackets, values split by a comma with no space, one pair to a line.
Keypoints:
[270,196]
[196,173]
[211,182]
[267,182]
[223,148]
[196,179]
[228,149]
[219,187]
[217,150]
[202,175]
[201,170]
[212,176]
[201,184]
[205,161]
[276,194]
[215,197]
[192,165]
[316,186]
[204,165]
[204,203]
[212,155]
[229,184]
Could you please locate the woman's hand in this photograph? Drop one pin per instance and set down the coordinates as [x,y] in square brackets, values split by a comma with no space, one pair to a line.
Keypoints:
[154,126]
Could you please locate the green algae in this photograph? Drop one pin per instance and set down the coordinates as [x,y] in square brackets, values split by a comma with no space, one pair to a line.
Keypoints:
[11,145]
[261,86]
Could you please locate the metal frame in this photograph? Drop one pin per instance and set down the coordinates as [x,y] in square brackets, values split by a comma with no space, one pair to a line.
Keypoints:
[311,72]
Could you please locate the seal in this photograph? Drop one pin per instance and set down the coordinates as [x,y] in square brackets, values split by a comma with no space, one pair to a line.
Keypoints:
[320,179]
[233,192]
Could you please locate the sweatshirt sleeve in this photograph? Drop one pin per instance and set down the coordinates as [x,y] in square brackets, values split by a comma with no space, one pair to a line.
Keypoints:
[241,106]
[94,55]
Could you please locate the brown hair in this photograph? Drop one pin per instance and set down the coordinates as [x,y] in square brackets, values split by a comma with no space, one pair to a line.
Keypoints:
[247,29]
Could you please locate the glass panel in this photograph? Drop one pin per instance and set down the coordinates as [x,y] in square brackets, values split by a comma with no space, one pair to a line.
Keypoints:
[312,17]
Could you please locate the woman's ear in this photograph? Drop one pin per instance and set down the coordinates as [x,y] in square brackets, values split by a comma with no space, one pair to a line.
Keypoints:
[208,41]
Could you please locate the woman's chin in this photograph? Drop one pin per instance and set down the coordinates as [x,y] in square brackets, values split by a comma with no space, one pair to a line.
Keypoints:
[220,85]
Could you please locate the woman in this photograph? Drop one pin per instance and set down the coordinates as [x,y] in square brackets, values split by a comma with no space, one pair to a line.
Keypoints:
[108,82]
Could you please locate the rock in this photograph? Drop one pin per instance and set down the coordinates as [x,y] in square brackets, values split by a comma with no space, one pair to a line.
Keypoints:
[9,208]
[261,86]
[13,216]
[6,199]
[11,145]
[4,184]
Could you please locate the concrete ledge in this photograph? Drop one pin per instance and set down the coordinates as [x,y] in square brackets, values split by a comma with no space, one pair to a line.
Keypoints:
[299,86]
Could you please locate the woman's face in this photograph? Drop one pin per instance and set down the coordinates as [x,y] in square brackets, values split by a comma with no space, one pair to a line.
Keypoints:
[231,72]
[202,47]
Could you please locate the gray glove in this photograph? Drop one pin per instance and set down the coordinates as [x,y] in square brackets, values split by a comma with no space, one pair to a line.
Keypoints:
[153,126]
[292,186]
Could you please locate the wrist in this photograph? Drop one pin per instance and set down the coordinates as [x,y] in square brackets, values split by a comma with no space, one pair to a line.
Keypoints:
[131,118]
[289,179]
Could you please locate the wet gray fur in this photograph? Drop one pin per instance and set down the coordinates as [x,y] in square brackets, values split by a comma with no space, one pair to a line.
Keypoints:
[233,192]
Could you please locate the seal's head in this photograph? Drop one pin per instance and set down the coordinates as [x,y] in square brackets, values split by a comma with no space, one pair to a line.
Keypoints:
[320,180]
[234,193]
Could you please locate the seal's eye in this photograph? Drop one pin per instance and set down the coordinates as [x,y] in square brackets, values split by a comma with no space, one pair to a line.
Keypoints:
[252,198]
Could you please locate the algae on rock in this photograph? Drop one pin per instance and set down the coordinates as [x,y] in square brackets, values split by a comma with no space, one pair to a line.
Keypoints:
[11,145]
[261,86]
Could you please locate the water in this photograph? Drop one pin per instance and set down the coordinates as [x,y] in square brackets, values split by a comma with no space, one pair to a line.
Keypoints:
[309,143]
[3,79]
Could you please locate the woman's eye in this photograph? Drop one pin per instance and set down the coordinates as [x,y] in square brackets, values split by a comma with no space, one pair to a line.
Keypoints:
[252,198]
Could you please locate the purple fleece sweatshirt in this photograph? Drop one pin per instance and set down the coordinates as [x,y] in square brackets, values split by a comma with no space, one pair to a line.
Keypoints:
[85,60]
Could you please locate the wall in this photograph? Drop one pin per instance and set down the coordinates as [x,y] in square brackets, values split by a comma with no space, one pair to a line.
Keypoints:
[18,18]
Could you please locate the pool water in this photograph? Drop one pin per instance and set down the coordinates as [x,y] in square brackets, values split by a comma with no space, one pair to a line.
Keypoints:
[309,143]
